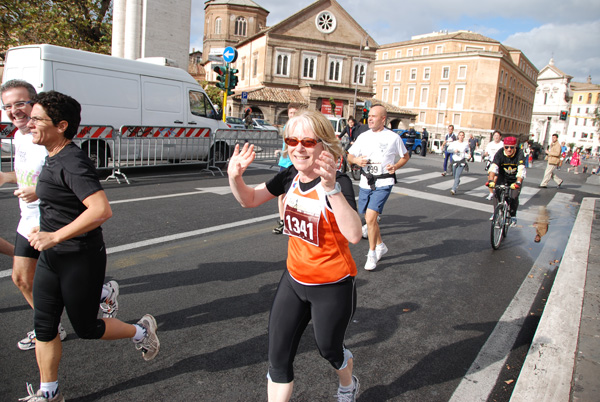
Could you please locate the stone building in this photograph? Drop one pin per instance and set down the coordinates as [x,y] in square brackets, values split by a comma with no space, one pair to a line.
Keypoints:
[583,130]
[460,78]
[552,99]
[319,56]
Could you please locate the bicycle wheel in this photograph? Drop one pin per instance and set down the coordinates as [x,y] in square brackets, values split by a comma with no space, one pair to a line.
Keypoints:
[355,171]
[498,226]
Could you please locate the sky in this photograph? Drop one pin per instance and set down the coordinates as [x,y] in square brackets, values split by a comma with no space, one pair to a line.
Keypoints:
[566,30]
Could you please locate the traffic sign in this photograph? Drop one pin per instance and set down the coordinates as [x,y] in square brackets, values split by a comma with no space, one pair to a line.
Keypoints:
[230,54]
[244,98]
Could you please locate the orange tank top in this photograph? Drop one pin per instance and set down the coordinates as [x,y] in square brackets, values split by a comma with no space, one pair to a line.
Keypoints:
[318,252]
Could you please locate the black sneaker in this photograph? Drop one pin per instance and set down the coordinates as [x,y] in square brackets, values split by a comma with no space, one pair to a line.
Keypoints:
[279,228]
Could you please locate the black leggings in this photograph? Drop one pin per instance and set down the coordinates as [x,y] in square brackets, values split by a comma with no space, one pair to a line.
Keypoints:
[331,308]
[513,200]
[71,280]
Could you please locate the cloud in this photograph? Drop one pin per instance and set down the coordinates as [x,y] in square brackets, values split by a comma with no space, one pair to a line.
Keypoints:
[574,47]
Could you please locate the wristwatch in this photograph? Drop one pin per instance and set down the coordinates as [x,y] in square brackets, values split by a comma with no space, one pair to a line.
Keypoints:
[336,189]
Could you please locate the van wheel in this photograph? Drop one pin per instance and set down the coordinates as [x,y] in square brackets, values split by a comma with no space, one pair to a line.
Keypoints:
[219,153]
[418,149]
[96,150]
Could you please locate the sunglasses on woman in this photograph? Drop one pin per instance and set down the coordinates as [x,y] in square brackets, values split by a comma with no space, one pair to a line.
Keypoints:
[306,142]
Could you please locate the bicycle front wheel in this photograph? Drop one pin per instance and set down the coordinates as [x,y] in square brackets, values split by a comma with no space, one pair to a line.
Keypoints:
[498,226]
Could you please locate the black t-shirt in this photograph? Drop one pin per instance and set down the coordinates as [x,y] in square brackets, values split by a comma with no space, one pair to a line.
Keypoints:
[67,179]
[280,184]
[508,167]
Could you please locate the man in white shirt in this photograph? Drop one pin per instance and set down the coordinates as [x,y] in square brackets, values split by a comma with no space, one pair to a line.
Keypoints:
[448,139]
[490,151]
[376,151]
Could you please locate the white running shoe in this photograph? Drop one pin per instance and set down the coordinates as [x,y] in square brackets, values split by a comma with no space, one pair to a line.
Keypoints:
[349,396]
[490,196]
[371,263]
[513,222]
[110,305]
[149,345]
[28,342]
[365,231]
[39,396]
[380,250]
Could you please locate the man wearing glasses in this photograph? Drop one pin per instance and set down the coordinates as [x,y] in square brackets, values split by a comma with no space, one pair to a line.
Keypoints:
[30,158]
[375,152]
[508,167]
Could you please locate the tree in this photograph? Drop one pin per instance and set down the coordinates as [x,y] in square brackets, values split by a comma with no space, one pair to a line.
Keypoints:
[214,94]
[83,24]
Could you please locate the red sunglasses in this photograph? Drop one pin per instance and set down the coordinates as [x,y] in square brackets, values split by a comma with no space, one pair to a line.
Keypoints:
[306,142]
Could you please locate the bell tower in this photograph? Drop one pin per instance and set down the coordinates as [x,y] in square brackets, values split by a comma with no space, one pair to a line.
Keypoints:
[228,22]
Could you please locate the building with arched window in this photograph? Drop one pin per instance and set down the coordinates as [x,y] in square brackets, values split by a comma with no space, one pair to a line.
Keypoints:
[318,57]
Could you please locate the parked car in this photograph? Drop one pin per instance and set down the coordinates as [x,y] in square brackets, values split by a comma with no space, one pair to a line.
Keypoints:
[416,148]
[260,124]
[235,122]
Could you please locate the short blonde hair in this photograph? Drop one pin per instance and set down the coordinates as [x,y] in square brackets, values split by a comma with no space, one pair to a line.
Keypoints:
[315,122]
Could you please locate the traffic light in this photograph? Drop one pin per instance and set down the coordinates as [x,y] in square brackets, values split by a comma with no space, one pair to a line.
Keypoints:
[233,80]
[365,114]
[563,115]
[221,77]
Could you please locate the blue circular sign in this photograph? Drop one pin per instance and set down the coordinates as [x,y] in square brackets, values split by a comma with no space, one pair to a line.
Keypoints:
[230,54]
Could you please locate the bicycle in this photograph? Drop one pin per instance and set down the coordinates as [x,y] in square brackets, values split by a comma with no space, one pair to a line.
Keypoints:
[501,219]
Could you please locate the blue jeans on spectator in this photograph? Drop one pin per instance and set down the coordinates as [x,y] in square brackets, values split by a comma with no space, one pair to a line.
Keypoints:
[456,171]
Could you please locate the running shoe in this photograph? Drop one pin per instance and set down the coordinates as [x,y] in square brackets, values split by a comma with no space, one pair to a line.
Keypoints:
[349,396]
[279,228]
[28,342]
[490,196]
[513,222]
[452,192]
[110,305]
[149,345]
[371,263]
[380,250]
[39,396]
[365,231]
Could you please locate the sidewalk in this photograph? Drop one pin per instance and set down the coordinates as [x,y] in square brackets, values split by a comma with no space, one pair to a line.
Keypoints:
[563,363]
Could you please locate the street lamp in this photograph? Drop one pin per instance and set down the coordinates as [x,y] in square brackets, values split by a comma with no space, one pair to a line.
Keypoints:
[357,70]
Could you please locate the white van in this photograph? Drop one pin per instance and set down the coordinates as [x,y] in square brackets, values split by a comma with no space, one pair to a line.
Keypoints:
[113,91]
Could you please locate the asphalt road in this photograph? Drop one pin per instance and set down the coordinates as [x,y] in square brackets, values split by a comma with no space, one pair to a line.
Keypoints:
[443,317]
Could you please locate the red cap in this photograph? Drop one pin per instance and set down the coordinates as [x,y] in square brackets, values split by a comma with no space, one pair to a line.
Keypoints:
[510,141]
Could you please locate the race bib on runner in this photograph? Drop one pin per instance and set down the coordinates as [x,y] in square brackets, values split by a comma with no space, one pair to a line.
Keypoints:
[374,168]
[301,218]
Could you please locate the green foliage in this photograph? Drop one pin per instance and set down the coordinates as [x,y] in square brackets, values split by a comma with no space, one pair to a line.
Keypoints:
[215,94]
[82,24]
[332,103]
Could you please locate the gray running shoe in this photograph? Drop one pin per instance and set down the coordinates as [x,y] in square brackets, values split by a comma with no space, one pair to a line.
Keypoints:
[110,306]
[39,396]
[349,396]
[279,228]
[150,344]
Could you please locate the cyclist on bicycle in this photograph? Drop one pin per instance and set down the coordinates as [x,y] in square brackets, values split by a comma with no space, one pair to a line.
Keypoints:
[508,167]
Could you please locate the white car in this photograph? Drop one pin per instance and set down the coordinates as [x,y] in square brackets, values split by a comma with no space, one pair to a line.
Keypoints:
[260,124]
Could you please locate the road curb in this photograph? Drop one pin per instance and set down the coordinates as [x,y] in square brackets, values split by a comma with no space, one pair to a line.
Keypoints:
[548,369]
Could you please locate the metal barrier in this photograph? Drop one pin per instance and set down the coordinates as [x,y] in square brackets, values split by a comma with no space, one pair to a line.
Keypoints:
[266,143]
[145,146]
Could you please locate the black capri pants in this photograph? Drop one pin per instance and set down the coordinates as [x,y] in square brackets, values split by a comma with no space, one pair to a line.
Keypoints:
[331,308]
[71,280]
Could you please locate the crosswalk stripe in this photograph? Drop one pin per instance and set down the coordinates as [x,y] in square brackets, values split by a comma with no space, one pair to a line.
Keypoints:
[447,184]
[419,177]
